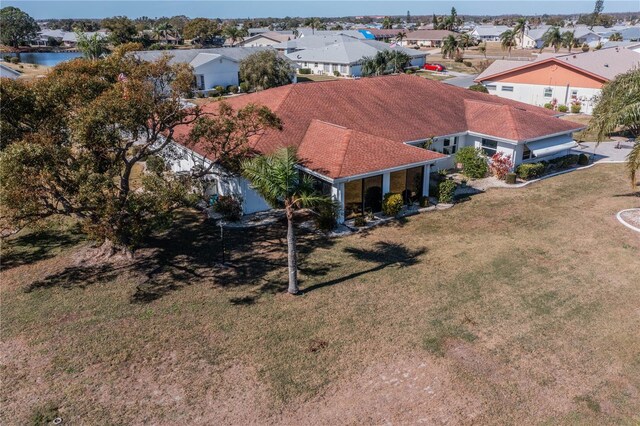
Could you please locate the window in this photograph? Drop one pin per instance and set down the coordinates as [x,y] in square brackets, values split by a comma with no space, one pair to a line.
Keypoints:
[574,94]
[315,65]
[548,92]
[408,183]
[526,153]
[489,147]
[450,145]
[491,86]
[507,88]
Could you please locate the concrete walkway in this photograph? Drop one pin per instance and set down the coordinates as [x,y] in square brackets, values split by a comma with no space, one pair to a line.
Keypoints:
[606,152]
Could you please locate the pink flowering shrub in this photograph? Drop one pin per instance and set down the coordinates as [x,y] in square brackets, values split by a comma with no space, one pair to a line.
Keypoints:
[500,165]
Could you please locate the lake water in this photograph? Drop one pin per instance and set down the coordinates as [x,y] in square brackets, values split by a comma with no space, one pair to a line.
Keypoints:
[48,58]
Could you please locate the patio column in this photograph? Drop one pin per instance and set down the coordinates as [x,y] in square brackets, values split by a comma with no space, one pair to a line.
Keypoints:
[386,183]
[337,193]
[425,179]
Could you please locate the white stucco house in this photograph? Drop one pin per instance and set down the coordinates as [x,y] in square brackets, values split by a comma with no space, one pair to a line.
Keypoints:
[360,139]
[345,55]
[488,32]
[534,38]
[560,79]
[211,67]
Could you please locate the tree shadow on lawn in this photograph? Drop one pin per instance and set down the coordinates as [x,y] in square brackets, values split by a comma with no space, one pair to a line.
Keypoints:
[382,256]
[36,246]
[191,253]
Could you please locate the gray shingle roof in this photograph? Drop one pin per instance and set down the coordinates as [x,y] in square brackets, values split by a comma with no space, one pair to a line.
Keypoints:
[606,63]
[235,54]
[347,52]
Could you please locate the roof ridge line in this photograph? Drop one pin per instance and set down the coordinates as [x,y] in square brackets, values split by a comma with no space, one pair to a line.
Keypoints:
[347,135]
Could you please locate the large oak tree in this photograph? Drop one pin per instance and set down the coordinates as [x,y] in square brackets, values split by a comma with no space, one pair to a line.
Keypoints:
[75,139]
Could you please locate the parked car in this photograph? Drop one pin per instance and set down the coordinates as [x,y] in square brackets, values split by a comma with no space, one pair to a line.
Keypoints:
[434,67]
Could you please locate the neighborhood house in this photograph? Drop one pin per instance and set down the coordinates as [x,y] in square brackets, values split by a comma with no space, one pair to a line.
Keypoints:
[360,139]
[211,67]
[559,79]
[344,56]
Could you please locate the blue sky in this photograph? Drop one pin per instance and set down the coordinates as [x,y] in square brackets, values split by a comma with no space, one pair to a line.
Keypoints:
[42,9]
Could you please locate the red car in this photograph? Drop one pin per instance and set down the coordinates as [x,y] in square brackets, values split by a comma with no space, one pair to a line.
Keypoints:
[434,67]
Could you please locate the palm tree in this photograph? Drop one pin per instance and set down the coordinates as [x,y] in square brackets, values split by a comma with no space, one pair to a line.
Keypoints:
[618,110]
[92,47]
[465,40]
[401,36]
[508,40]
[520,29]
[314,23]
[450,46]
[386,23]
[615,37]
[483,49]
[276,178]
[234,33]
[552,37]
[569,39]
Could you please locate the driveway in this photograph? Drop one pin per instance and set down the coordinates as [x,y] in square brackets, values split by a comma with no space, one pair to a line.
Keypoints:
[606,152]
[460,80]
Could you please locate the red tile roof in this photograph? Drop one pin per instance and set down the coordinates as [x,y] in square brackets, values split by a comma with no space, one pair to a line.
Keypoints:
[346,152]
[399,108]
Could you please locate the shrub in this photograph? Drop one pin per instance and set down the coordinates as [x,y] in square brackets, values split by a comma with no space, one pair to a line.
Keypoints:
[200,95]
[424,201]
[336,73]
[219,89]
[213,94]
[446,191]
[155,164]
[576,107]
[478,88]
[408,71]
[510,178]
[232,89]
[583,159]
[304,71]
[530,170]
[244,87]
[585,47]
[391,204]
[327,217]
[500,165]
[229,206]
[458,58]
[474,164]
[7,58]
[468,64]
[15,60]
[563,108]
[359,221]
[548,105]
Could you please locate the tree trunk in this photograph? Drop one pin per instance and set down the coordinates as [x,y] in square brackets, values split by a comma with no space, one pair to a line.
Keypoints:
[292,254]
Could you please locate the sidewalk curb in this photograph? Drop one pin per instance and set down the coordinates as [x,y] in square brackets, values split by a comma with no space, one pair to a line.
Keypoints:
[622,221]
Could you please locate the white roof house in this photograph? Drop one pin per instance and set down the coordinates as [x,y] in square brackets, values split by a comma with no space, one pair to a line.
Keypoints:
[488,32]
[345,56]
[533,38]
[211,67]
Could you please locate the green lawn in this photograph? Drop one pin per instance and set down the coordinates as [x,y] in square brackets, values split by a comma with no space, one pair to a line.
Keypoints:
[519,306]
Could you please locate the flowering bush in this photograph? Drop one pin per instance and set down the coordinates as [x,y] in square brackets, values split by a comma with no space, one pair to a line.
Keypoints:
[500,165]
[576,106]
[392,204]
